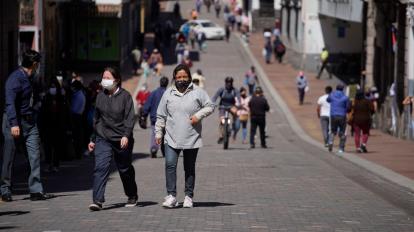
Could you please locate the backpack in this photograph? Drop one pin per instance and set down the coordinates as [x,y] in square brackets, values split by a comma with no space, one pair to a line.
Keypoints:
[224,93]
[280,48]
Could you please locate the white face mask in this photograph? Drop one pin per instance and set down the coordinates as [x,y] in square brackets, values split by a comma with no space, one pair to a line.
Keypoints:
[52,91]
[59,78]
[107,84]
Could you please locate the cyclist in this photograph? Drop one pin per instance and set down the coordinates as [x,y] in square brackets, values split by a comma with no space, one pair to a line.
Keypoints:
[228,95]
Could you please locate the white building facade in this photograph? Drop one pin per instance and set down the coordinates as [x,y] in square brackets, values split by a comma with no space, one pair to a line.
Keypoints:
[308,26]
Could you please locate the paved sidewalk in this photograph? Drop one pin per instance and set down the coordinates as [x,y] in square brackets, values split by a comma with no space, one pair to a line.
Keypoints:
[385,150]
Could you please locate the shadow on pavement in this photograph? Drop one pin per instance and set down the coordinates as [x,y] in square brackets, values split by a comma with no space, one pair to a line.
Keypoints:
[211,204]
[73,176]
[13,213]
[8,227]
[146,203]
[114,206]
[122,205]
[54,196]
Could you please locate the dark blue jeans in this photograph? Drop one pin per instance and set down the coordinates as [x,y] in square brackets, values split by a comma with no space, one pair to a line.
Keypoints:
[29,135]
[338,127]
[171,160]
[104,150]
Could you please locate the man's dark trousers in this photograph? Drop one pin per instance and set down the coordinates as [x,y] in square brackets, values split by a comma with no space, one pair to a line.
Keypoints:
[261,123]
[123,159]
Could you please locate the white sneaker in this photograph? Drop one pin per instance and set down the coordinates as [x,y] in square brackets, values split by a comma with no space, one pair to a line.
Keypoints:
[340,152]
[170,202]
[188,202]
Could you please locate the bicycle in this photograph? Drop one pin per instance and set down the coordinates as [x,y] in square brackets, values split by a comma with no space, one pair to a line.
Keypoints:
[225,124]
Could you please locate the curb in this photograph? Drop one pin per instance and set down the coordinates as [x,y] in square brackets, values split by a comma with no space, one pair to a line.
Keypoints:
[368,165]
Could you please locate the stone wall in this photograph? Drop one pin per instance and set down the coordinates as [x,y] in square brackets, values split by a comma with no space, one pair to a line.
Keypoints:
[260,22]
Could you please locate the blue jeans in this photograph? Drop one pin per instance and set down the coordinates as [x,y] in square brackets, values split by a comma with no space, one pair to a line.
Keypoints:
[171,160]
[29,135]
[104,150]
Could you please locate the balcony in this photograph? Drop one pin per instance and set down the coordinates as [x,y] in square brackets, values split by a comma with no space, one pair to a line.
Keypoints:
[349,10]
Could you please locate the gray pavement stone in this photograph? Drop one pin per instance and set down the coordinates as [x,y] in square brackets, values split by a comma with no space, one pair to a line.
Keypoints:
[292,186]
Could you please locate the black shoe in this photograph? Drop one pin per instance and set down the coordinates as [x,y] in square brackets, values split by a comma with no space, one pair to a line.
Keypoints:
[252,146]
[220,141]
[330,146]
[364,148]
[6,198]
[153,153]
[264,146]
[95,206]
[40,196]
[132,202]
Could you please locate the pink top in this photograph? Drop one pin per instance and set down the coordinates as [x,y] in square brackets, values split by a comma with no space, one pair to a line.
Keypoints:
[244,104]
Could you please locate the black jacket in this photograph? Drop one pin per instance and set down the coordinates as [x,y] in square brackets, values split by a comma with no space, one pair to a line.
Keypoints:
[114,116]
[258,107]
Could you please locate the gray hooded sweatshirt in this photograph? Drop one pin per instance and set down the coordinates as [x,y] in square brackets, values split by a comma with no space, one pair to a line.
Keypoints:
[173,116]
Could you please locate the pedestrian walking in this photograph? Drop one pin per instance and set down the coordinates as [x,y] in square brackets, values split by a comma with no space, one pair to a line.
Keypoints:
[267,51]
[199,79]
[217,8]
[302,85]
[77,109]
[180,49]
[208,5]
[142,97]
[251,80]
[226,13]
[198,4]
[242,113]
[194,14]
[340,105]
[136,60]
[192,37]
[228,32]
[323,110]
[201,40]
[279,49]
[258,107]
[362,110]
[176,9]
[156,62]
[179,115]
[52,120]
[113,127]
[324,62]
[150,108]
[393,107]
[19,127]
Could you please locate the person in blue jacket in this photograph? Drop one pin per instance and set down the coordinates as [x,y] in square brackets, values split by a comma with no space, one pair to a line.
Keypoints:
[340,105]
[150,108]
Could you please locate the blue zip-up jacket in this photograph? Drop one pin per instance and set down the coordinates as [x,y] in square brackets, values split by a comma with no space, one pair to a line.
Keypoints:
[339,103]
[18,95]
[151,105]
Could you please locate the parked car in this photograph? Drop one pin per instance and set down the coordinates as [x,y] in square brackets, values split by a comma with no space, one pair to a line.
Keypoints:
[210,29]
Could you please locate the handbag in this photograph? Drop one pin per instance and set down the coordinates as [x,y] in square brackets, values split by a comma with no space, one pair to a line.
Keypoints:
[244,117]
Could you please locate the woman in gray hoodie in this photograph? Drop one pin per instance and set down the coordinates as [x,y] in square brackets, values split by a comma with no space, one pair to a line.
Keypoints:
[179,116]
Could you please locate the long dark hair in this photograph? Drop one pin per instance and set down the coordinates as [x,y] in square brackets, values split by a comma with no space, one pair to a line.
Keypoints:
[359,95]
[115,73]
[182,67]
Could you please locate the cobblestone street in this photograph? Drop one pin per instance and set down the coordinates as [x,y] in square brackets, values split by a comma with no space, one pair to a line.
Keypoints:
[292,186]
